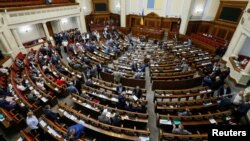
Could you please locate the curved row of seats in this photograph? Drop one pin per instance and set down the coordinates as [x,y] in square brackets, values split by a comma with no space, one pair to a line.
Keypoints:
[99,127]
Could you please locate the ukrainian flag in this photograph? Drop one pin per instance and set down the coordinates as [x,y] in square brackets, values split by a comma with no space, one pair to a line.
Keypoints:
[155,4]
[142,18]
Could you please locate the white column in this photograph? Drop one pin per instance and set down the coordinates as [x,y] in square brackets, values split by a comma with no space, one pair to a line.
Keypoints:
[45,28]
[79,23]
[60,25]
[82,22]
[234,41]
[164,9]
[123,13]
[6,47]
[46,31]
[240,44]
[186,13]
[11,41]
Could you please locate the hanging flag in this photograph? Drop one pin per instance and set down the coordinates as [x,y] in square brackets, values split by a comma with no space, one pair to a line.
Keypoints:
[142,17]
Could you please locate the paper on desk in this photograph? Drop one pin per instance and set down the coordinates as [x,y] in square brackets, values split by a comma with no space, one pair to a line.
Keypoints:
[203,91]
[209,90]
[207,104]
[144,138]
[73,98]
[66,114]
[165,122]
[22,104]
[228,118]
[124,117]
[61,110]
[114,99]
[20,139]
[42,123]
[44,99]
[129,92]
[81,122]
[72,117]
[212,120]
[134,97]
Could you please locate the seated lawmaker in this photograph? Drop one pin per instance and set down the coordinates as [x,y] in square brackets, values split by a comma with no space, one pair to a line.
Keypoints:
[104,118]
[143,67]
[7,103]
[185,113]
[121,100]
[134,66]
[207,81]
[116,120]
[51,114]
[217,83]
[180,130]
[137,92]
[60,81]
[120,88]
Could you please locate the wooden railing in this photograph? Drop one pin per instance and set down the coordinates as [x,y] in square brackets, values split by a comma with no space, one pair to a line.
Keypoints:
[236,68]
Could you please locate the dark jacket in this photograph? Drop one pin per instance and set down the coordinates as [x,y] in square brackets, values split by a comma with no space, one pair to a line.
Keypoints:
[50,114]
[116,121]
[120,89]
[137,93]
[221,90]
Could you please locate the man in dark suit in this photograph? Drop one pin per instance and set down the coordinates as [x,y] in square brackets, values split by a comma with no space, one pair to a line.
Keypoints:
[215,85]
[121,101]
[77,83]
[225,89]
[116,120]
[134,66]
[99,70]
[50,114]
[137,92]
[7,104]
[120,89]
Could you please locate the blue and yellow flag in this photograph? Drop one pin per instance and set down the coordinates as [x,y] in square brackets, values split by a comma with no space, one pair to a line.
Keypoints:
[142,17]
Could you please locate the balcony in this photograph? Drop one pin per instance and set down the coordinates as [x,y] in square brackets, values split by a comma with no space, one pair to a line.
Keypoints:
[38,13]
[19,4]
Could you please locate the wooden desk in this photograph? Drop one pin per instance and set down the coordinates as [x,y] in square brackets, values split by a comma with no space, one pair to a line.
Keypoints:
[80,100]
[48,125]
[175,85]
[150,33]
[173,137]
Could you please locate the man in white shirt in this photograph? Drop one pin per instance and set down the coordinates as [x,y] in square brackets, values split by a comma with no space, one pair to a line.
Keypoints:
[32,123]
[238,98]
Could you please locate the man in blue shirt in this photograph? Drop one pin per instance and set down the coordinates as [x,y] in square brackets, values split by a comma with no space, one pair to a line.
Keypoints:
[75,132]
[72,89]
